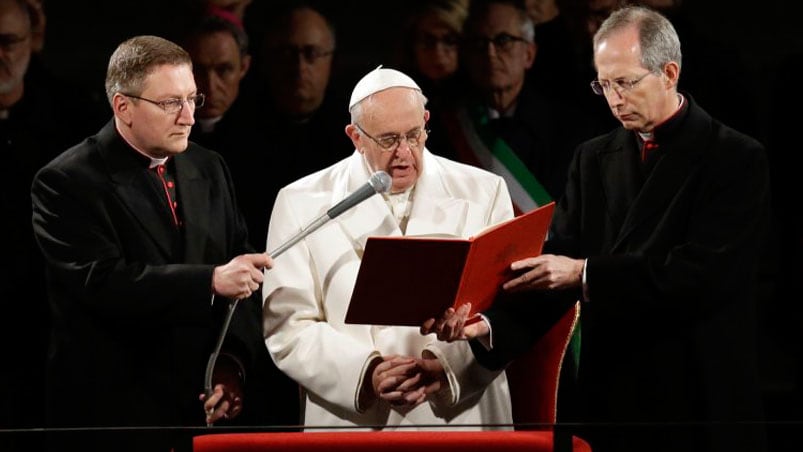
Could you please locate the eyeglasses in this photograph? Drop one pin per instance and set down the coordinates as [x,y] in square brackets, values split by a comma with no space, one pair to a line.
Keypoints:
[310,54]
[503,42]
[431,41]
[392,141]
[621,85]
[9,41]
[174,105]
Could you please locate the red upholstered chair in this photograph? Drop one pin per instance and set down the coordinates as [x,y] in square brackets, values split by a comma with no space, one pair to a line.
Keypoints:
[533,382]
[391,441]
[533,377]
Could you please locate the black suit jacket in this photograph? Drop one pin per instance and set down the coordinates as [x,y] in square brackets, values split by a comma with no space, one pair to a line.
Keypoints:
[133,322]
[669,332]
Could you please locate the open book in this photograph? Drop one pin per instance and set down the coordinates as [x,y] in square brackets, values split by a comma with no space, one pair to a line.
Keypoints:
[407,280]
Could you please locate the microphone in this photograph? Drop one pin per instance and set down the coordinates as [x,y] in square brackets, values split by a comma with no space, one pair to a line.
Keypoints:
[379,182]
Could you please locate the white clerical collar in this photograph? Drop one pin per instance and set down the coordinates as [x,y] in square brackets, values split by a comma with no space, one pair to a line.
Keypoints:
[157,162]
[400,204]
[647,136]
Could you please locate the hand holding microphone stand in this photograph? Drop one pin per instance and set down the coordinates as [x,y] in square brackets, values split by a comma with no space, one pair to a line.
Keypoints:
[379,182]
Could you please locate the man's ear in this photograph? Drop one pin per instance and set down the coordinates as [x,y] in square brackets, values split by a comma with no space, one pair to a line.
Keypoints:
[531,51]
[354,134]
[245,64]
[672,73]
[121,107]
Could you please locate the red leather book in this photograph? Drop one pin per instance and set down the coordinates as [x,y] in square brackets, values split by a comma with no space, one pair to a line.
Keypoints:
[407,280]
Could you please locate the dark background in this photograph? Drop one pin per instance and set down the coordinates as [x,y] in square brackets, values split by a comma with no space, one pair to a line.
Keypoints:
[81,36]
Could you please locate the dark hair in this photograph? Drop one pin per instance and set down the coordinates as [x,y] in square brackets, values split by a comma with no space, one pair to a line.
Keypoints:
[277,22]
[479,8]
[213,24]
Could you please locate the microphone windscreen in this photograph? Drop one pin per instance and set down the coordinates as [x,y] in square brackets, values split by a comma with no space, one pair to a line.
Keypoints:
[381,182]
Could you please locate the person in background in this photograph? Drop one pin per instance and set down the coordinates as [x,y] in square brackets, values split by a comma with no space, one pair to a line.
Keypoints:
[299,50]
[144,249]
[40,116]
[294,125]
[220,61]
[378,377]
[565,63]
[233,11]
[659,234]
[429,48]
[503,123]
[226,123]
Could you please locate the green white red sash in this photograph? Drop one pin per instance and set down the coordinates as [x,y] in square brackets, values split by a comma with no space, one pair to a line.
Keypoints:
[476,144]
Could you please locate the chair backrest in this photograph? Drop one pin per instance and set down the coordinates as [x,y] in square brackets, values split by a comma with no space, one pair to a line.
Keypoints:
[533,377]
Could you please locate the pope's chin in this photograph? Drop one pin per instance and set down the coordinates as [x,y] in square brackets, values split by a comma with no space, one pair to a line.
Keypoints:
[402,180]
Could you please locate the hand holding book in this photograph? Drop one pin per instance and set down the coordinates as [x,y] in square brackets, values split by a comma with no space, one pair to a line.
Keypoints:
[456,325]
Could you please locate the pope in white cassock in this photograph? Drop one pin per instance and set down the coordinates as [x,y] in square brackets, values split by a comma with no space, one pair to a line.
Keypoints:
[364,375]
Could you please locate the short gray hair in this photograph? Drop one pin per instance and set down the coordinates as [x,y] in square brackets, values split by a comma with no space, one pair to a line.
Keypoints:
[658,39]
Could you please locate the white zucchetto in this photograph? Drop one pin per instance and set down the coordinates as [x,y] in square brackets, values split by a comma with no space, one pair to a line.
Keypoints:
[378,80]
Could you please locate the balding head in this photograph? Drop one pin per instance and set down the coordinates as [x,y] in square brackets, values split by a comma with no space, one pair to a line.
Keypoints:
[299,49]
